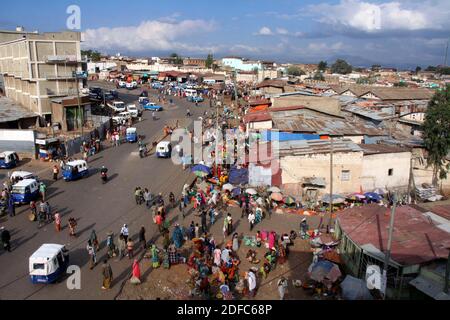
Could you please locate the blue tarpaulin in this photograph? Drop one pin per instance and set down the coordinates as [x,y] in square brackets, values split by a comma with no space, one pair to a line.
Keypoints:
[238,176]
[287,136]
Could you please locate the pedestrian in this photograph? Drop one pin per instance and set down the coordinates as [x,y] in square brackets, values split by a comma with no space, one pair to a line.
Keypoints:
[91,251]
[154,116]
[33,209]
[137,195]
[6,238]
[48,211]
[122,246]
[55,172]
[42,190]
[251,220]
[125,232]
[130,248]
[110,244]
[147,198]
[282,287]
[212,216]
[192,231]
[57,221]
[142,239]
[197,231]
[94,240]
[182,207]
[159,222]
[11,207]
[155,257]
[136,277]
[188,112]
[235,242]
[251,279]
[107,275]
[204,225]
[72,225]
[230,224]
[225,227]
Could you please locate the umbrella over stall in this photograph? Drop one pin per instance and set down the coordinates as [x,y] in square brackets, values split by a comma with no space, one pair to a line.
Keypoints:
[274,189]
[373,196]
[251,191]
[201,170]
[289,200]
[337,198]
[276,196]
[355,289]
[324,270]
[228,186]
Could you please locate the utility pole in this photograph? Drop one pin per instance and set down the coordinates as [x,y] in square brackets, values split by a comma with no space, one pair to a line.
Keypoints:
[446,53]
[387,256]
[331,176]
[447,273]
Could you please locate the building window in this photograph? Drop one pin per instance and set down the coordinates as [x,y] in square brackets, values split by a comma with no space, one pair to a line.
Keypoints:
[345,175]
[390,172]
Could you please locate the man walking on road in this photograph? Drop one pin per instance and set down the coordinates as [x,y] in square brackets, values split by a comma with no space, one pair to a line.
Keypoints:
[55,172]
[91,250]
[125,232]
[251,220]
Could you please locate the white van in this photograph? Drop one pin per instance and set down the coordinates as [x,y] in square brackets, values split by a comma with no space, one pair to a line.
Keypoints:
[190,92]
[164,149]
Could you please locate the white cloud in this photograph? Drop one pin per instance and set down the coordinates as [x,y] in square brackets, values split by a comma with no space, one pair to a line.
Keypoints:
[282,31]
[265,31]
[163,34]
[322,47]
[372,17]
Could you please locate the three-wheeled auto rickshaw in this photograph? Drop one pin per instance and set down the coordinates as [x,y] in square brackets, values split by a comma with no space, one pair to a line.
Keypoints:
[8,159]
[23,175]
[75,170]
[132,136]
[25,191]
[48,263]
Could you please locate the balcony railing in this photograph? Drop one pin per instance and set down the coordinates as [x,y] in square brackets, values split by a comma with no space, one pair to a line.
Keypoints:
[64,59]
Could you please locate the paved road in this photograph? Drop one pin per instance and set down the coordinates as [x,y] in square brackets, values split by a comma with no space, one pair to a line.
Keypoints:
[96,206]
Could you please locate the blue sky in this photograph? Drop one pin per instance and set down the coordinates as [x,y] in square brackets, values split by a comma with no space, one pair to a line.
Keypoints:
[390,32]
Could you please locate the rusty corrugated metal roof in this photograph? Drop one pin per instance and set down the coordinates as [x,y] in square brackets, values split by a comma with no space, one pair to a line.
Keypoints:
[415,239]
[12,111]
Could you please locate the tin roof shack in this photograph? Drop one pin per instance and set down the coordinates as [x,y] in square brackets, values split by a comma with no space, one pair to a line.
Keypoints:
[261,120]
[303,160]
[65,111]
[268,87]
[416,242]
[306,120]
[15,116]
[384,166]
[322,104]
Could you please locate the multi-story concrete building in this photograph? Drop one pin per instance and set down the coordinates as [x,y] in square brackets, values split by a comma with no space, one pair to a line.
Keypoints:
[37,67]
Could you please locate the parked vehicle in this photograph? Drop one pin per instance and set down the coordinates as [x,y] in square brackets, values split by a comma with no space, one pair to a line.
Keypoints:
[75,170]
[116,106]
[134,110]
[132,136]
[23,175]
[153,107]
[122,84]
[190,92]
[25,191]
[132,85]
[8,159]
[111,95]
[95,93]
[164,149]
[143,101]
[48,263]
[123,116]
[157,85]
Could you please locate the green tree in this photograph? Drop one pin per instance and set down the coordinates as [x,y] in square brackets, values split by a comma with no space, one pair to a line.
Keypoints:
[443,70]
[92,55]
[376,67]
[209,61]
[295,71]
[322,66]
[400,84]
[176,59]
[341,67]
[318,76]
[418,69]
[436,133]
[430,68]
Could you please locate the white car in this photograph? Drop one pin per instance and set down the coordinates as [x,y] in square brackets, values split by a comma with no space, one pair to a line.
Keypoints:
[121,117]
[131,85]
[134,110]
[117,106]
[122,84]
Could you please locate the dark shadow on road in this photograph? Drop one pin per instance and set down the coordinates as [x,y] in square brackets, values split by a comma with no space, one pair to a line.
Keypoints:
[96,159]
[88,228]
[54,195]
[115,175]
[21,240]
